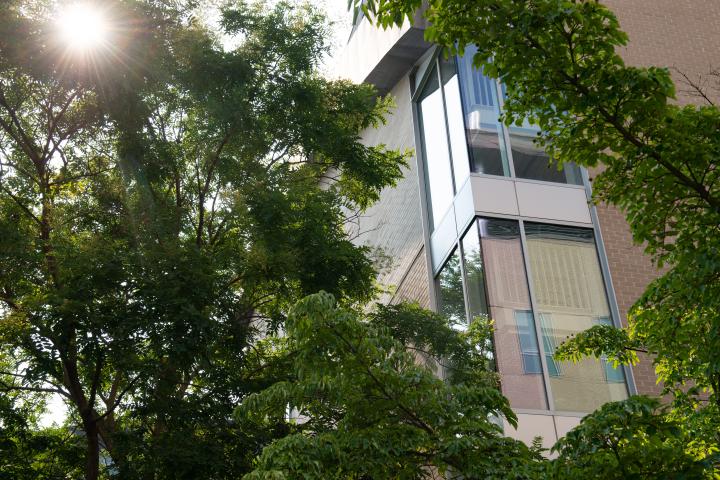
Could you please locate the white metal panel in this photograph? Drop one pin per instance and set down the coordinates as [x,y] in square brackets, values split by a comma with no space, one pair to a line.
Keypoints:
[494,195]
[443,239]
[552,202]
[464,208]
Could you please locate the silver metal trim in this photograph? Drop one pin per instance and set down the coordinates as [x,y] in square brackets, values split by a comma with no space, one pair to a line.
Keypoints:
[533,307]
[607,277]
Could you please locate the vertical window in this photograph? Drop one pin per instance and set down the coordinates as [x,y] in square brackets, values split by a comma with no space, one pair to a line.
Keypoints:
[452,301]
[483,130]
[508,299]
[435,147]
[474,274]
[570,297]
[456,127]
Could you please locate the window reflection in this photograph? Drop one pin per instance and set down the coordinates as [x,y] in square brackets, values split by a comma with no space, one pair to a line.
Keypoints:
[456,126]
[483,129]
[516,344]
[452,303]
[570,298]
[435,148]
[533,163]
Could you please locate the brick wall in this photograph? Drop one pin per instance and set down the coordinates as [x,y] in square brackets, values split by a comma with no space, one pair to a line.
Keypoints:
[680,34]
[414,287]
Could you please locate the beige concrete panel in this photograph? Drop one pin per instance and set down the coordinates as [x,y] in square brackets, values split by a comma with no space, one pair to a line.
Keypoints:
[552,202]
[531,426]
[494,195]
[368,45]
[564,424]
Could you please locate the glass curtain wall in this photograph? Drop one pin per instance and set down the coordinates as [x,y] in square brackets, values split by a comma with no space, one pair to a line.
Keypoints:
[485,135]
[483,129]
[570,297]
[488,276]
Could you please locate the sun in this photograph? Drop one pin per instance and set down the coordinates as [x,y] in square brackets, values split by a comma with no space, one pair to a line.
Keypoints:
[82,26]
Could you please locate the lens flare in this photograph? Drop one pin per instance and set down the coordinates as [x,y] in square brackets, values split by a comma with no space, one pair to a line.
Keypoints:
[82,27]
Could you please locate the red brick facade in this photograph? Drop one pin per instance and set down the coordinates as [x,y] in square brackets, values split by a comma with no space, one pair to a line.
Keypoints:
[683,35]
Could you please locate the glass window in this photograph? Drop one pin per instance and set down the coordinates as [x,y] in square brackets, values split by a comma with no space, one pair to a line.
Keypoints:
[570,297]
[612,374]
[508,299]
[456,127]
[435,147]
[528,341]
[483,129]
[533,163]
[452,303]
[474,274]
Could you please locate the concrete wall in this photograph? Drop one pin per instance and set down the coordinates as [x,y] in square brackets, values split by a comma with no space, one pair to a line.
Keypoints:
[394,224]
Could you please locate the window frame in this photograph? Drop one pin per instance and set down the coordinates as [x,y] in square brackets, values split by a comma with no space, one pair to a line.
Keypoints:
[536,315]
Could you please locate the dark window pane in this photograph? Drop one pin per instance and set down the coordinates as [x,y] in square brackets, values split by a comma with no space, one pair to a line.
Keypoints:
[474,274]
[452,303]
[483,129]
[533,163]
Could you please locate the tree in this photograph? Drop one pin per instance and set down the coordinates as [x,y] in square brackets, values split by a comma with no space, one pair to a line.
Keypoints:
[161,206]
[368,401]
[559,62]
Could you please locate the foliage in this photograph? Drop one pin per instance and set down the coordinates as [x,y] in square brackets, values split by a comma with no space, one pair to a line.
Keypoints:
[365,406]
[632,439]
[559,61]
[161,206]
[28,451]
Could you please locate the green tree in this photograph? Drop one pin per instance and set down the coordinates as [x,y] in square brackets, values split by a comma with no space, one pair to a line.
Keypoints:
[161,206]
[368,402]
[559,62]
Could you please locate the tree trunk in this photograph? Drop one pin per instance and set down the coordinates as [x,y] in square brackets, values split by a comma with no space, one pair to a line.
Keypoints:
[92,460]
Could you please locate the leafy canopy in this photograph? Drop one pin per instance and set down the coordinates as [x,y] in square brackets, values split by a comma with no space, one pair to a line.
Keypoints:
[162,204]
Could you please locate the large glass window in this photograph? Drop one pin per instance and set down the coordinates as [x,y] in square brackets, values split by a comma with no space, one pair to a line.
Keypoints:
[487,275]
[570,297]
[435,148]
[533,163]
[516,344]
[456,128]
[483,129]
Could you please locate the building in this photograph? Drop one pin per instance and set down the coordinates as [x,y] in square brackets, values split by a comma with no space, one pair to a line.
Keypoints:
[481,224]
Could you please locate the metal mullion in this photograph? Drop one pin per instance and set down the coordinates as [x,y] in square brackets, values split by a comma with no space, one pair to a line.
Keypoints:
[505,130]
[447,126]
[536,317]
[607,278]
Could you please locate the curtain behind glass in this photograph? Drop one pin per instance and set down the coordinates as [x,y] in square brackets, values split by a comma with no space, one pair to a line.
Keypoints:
[570,297]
